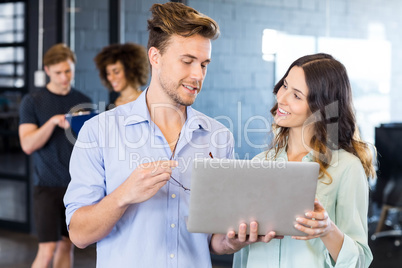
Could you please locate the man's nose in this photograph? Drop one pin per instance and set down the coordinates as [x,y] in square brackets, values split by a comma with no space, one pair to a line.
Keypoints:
[197,73]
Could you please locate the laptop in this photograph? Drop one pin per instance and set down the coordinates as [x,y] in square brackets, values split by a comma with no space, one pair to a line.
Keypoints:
[227,192]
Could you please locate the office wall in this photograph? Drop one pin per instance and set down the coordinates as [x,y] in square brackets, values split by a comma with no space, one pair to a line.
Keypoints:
[238,87]
[238,72]
[88,33]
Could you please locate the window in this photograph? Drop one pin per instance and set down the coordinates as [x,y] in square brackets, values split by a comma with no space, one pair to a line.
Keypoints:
[12,51]
[368,62]
[14,164]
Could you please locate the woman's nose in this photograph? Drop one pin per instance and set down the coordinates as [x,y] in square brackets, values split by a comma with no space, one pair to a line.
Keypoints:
[281,97]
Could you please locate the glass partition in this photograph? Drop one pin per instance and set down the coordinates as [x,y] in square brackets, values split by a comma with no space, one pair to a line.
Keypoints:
[87,29]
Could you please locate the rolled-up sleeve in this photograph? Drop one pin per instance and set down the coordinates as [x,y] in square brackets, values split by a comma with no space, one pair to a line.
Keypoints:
[87,185]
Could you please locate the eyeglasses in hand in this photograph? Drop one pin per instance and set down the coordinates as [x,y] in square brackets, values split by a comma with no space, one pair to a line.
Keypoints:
[176,181]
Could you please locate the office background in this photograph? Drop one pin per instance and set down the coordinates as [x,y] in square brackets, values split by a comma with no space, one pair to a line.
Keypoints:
[259,39]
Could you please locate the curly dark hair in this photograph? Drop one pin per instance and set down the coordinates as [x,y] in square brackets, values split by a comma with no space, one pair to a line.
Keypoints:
[132,56]
[176,18]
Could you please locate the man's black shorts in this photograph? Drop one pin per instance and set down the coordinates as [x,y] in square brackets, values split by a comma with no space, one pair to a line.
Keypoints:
[49,213]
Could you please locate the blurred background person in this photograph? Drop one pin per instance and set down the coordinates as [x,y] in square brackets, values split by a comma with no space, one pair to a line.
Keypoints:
[123,69]
[42,134]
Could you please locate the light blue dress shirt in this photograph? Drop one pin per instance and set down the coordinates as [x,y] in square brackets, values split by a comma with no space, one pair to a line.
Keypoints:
[345,200]
[153,233]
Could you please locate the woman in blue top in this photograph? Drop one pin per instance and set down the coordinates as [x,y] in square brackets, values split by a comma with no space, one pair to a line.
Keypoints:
[315,121]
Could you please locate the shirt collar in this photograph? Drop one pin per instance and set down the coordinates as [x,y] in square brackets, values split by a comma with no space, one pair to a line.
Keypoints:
[196,120]
[307,158]
[137,112]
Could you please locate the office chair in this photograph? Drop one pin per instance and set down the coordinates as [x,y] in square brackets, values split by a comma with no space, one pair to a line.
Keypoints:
[392,204]
[388,192]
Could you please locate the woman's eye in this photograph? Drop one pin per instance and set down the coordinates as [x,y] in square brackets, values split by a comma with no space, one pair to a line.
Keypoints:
[297,97]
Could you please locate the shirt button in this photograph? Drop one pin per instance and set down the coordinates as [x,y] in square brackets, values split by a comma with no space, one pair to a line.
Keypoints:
[173,196]
[172,225]
[171,256]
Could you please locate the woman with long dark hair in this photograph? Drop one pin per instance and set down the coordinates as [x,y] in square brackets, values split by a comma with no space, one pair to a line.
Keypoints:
[314,121]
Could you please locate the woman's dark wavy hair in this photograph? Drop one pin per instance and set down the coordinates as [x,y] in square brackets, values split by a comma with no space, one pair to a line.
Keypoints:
[132,56]
[330,102]
[176,18]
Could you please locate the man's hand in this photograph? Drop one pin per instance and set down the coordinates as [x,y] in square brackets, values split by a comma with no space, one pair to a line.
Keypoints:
[33,137]
[230,243]
[60,121]
[145,181]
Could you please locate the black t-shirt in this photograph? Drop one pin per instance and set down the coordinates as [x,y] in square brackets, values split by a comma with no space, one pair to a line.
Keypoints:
[51,162]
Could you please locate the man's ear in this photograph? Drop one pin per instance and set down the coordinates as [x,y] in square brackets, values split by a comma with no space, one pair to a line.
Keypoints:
[46,70]
[154,56]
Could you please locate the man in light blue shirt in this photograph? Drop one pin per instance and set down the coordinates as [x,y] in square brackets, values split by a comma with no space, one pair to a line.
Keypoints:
[131,166]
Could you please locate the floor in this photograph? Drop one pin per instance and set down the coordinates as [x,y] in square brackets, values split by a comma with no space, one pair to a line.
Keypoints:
[387,251]
[17,250]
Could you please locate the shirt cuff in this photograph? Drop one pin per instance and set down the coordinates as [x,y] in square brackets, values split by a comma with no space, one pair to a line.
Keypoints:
[348,256]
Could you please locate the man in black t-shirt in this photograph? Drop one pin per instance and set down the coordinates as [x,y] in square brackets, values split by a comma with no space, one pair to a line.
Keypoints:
[42,134]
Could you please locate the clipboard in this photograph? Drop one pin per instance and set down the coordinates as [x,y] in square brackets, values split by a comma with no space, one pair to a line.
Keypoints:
[77,120]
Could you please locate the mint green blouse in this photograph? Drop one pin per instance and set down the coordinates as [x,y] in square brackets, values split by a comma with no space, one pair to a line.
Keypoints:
[345,200]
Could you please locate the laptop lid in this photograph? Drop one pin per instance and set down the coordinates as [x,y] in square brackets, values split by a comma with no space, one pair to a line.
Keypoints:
[227,192]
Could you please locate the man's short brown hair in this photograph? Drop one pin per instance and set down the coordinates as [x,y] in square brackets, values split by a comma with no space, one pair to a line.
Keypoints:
[176,18]
[58,53]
